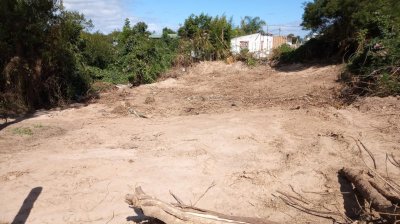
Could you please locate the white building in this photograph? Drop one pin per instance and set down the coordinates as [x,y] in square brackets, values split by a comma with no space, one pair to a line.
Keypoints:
[257,44]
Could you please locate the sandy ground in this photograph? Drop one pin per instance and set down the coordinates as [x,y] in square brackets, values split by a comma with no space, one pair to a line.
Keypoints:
[252,132]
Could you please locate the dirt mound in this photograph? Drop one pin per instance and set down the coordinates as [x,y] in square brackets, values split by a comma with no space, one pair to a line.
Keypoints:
[216,87]
[377,104]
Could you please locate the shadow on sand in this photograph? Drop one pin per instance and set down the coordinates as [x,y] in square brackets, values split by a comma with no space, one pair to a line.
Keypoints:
[27,206]
[37,113]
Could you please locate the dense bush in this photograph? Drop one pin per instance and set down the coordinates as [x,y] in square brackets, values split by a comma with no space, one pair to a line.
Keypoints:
[282,52]
[206,38]
[247,57]
[375,69]
[97,49]
[49,57]
[129,55]
[141,59]
[40,63]
[364,34]
[316,49]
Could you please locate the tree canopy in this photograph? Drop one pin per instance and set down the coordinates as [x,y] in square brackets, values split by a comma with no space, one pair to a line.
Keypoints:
[208,37]
[345,19]
[251,25]
[39,63]
[365,34]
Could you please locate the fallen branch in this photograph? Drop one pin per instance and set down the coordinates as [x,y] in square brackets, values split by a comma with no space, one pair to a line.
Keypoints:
[132,111]
[307,207]
[369,153]
[366,149]
[387,181]
[205,192]
[176,198]
[182,214]
[394,198]
[378,201]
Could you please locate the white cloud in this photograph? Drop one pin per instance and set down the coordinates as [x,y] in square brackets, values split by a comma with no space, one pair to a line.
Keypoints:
[107,15]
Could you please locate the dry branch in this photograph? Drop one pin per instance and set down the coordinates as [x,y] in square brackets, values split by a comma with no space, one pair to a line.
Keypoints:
[366,149]
[310,209]
[182,214]
[377,200]
[393,160]
[369,153]
[176,198]
[393,197]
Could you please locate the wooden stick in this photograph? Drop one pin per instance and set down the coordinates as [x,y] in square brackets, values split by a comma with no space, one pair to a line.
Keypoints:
[367,150]
[176,198]
[310,211]
[205,192]
[180,214]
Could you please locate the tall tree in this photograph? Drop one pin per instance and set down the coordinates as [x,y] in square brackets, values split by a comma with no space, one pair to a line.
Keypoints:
[208,38]
[39,64]
[251,25]
[366,34]
[344,19]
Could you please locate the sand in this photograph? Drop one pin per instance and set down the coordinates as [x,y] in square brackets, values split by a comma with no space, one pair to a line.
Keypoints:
[252,132]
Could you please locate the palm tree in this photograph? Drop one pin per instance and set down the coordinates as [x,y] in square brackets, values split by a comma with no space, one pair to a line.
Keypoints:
[250,25]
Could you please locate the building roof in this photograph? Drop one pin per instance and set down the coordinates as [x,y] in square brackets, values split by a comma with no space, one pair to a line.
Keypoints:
[159,36]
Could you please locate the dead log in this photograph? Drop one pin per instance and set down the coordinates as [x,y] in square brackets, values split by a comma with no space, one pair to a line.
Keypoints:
[183,214]
[394,198]
[378,201]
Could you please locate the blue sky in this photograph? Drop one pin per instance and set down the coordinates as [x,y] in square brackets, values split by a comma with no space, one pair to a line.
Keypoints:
[108,15]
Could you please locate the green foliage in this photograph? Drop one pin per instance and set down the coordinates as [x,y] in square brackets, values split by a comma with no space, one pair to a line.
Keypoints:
[282,52]
[375,68]
[316,49]
[40,62]
[166,31]
[364,33]
[251,61]
[129,55]
[97,49]
[139,58]
[49,57]
[22,131]
[206,37]
[251,25]
[38,126]
[247,57]
[342,20]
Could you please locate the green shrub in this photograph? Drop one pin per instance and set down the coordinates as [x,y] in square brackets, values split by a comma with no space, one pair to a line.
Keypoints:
[22,131]
[282,52]
[40,64]
[97,49]
[251,61]
[375,69]
[316,49]
[364,34]
[207,37]
[247,57]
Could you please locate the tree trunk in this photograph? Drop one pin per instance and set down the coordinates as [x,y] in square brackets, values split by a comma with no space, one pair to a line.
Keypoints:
[183,214]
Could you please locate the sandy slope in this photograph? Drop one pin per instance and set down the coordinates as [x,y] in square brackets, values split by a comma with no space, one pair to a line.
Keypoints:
[251,131]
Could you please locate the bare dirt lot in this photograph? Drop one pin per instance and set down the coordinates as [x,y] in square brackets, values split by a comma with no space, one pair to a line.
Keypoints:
[253,132]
